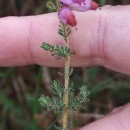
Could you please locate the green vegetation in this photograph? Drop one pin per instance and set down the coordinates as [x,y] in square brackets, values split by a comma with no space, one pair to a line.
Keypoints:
[21,87]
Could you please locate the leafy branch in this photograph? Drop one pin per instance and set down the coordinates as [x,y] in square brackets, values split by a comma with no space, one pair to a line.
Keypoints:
[64,98]
[57,50]
[83,97]
[62,32]
[56,104]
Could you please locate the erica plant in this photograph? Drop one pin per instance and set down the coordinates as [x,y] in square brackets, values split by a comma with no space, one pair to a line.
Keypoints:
[64,99]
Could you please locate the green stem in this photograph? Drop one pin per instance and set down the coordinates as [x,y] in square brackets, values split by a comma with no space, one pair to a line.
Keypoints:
[66,79]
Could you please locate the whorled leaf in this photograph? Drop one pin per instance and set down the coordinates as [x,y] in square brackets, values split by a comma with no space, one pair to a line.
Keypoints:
[52,104]
[57,88]
[71,71]
[83,97]
[57,50]
[47,47]
[62,51]
[45,101]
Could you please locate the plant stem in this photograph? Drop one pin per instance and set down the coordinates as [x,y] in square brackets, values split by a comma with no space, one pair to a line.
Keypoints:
[66,94]
[66,78]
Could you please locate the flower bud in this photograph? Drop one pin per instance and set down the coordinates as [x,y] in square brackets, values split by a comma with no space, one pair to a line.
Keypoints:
[66,16]
[94,5]
[80,5]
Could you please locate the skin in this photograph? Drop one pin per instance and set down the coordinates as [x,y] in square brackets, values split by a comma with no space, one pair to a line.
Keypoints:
[102,38]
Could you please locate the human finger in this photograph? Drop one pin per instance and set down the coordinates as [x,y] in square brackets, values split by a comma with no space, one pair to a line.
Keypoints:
[119,119]
[102,38]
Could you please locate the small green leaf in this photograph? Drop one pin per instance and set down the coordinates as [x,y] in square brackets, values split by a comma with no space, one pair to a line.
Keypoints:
[57,50]
[51,6]
[61,33]
[60,30]
[47,47]
[57,88]
[71,71]
[68,33]
[44,100]
[84,93]
[77,103]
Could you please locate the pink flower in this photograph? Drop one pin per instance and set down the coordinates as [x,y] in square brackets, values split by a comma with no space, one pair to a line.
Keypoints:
[94,5]
[67,17]
[78,1]
[80,5]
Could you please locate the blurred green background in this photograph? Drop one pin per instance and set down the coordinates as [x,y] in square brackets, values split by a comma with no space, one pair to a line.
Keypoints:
[20,87]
